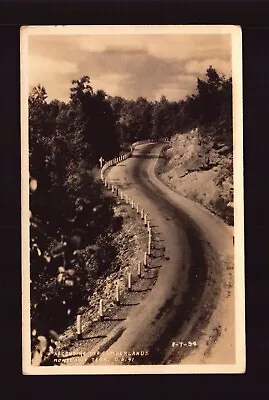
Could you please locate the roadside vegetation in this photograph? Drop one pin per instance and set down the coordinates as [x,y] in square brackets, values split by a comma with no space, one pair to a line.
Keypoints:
[71,220]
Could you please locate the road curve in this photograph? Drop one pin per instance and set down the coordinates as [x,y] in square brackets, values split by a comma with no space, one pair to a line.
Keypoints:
[189,300]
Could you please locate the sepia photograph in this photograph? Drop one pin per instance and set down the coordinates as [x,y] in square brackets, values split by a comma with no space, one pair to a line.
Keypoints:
[132,200]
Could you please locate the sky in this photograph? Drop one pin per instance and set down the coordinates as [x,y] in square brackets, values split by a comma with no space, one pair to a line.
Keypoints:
[126,65]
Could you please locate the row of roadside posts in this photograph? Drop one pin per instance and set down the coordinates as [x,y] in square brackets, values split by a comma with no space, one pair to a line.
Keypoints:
[144,216]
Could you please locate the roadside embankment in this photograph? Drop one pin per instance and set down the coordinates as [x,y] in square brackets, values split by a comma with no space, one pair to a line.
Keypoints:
[130,244]
[197,168]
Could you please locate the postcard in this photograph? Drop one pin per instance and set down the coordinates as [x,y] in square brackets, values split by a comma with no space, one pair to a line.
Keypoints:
[132,200]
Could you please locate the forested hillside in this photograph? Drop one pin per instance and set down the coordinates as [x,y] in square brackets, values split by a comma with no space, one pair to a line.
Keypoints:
[209,108]
[71,219]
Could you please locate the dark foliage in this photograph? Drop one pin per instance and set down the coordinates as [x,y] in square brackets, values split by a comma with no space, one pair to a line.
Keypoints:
[69,213]
[210,109]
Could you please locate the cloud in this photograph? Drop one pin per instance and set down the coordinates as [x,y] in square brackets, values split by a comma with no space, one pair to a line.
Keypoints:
[100,43]
[135,72]
[52,74]
[177,88]
[40,66]
[185,47]
[172,93]
[111,82]
[126,65]
[166,46]
[200,66]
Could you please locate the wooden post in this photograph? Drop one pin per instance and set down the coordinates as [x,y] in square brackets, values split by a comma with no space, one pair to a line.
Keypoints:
[105,183]
[142,213]
[101,161]
[121,195]
[139,269]
[101,311]
[145,219]
[149,228]
[117,294]
[79,329]
[137,209]
[126,199]
[132,203]
[149,246]
[145,259]
[112,188]
[129,281]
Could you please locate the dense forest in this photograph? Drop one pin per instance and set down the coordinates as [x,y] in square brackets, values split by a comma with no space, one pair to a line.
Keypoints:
[71,219]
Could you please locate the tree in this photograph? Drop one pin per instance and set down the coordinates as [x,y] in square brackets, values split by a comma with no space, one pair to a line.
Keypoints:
[99,130]
[80,88]
[210,97]
[165,118]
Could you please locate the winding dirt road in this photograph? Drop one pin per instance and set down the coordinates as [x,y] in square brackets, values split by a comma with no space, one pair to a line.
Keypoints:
[188,316]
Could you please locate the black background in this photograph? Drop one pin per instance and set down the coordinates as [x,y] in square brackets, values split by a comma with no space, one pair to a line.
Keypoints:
[253,18]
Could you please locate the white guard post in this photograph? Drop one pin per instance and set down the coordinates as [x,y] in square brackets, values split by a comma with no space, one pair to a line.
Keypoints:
[101,310]
[129,281]
[145,259]
[79,328]
[139,269]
